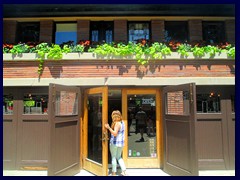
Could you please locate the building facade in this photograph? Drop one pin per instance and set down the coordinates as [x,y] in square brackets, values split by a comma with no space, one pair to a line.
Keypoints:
[54,121]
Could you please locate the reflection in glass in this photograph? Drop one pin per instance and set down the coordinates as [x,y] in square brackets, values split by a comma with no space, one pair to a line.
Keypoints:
[142,126]
[35,103]
[66,103]
[138,31]
[178,103]
[176,31]
[208,103]
[95,127]
[8,104]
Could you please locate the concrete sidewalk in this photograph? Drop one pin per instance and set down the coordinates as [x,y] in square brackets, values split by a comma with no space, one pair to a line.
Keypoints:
[131,172]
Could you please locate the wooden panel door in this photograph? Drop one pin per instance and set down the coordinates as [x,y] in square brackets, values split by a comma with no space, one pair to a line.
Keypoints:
[64,114]
[95,135]
[180,156]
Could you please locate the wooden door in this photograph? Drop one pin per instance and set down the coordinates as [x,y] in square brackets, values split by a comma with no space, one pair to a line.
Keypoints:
[64,114]
[95,136]
[180,156]
[143,145]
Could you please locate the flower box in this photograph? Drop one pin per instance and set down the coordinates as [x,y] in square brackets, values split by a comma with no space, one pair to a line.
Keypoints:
[92,56]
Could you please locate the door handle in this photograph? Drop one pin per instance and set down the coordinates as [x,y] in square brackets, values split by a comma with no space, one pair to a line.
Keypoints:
[105,136]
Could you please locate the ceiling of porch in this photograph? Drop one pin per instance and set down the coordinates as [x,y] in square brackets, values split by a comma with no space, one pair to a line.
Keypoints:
[63,10]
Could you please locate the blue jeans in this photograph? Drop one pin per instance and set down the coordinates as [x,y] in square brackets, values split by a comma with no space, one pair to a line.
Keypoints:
[116,153]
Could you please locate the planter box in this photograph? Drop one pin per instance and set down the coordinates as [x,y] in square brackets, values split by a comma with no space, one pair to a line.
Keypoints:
[92,56]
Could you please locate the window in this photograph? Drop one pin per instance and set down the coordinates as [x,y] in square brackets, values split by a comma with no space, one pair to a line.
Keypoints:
[176,31]
[138,31]
[142,119]
[178,103]
[28,32]
[101,31]
[66,32]
[35,103]
[66,103]
[208,103]
[8,104]
[213,32]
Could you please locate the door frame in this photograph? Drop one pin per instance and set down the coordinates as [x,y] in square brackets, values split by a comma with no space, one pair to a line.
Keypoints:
[88,164]
[139,163]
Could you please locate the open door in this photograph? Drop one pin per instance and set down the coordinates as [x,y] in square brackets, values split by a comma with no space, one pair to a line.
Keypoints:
[64,110]
[95,135]
[180,156]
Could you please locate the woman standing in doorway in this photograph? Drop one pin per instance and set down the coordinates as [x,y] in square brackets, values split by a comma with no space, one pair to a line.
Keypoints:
[117,130]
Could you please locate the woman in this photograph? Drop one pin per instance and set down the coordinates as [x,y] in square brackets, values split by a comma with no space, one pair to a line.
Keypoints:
[117,130]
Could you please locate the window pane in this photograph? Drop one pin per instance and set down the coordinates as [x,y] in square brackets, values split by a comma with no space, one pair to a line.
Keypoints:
[142,126]
[176,31]
[35,104]
[95,35]
[138,31]
[178,103]
[208,103]
[66,103]
[95,127]
[109,36]
[213,32]
[62,37]
[8,104]
[28,32]
[101,31]
[66,32]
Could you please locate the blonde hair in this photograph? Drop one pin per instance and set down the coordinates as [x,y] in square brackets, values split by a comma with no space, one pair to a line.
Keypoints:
[116,113]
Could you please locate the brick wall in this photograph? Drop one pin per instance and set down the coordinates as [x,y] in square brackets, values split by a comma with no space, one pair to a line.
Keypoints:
[175,103]
[230,31]
[157,27]
[46,31]
[195,30]
[83,29]
[9,31]
[120,30]
[118,68]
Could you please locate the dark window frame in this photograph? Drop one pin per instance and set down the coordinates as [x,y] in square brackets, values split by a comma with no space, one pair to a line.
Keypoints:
[102,27]
[23,27]
[220,28]
[177,24]
[132,22]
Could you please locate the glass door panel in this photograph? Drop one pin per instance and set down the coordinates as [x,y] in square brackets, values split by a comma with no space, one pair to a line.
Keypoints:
[142,114]
[95,136]
[95,128]
[142,125]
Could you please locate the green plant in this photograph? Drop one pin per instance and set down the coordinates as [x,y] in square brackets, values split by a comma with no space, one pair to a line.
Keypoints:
[55,52]
[231,52]
[198,51]
[78,48]
[183,49]
[19,48]
[212,50]
[143,50]
[41,50]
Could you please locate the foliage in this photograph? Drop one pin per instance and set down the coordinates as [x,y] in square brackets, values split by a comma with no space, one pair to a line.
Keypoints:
[19,48]
[143,49]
